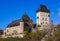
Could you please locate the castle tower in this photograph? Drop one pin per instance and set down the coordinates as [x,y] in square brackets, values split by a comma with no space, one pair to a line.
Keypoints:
[42,16]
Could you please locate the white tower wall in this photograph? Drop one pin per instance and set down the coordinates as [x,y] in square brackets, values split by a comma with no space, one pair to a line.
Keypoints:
[42,18]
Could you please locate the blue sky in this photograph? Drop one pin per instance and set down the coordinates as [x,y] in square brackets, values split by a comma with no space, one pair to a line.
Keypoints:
[13,9]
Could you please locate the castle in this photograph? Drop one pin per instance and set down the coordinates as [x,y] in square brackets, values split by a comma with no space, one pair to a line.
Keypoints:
[43,17]
[16,28]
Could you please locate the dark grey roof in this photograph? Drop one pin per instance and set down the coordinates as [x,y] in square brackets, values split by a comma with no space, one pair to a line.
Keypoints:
[24,18]
[14,23]
[42,8]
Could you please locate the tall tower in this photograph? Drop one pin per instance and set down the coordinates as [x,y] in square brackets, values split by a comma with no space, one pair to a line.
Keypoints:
[42,16]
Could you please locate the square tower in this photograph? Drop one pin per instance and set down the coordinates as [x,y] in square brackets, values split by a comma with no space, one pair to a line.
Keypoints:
[42,16]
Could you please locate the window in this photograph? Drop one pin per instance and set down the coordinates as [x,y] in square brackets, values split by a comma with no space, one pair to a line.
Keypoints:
[42,18]
[48,15]
[46,23]
[45,18]
[7,31]
[43,22]
[37,17]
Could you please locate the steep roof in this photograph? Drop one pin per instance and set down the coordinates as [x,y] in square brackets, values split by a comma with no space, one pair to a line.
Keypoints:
[24,18]
[42,8]
[14,23]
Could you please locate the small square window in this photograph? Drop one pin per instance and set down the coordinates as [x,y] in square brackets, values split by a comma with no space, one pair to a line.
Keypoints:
[41,23]
[45,18]
[37,17]
[48,15]
[46,23]
[7,31]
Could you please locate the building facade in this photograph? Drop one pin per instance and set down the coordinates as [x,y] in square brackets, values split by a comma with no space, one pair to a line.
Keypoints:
[15,31]
[17,27]
[42,16]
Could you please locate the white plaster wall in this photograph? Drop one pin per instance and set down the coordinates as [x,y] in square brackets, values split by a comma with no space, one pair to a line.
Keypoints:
[19,30]
[10,29]
[42,15]
[38,20]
